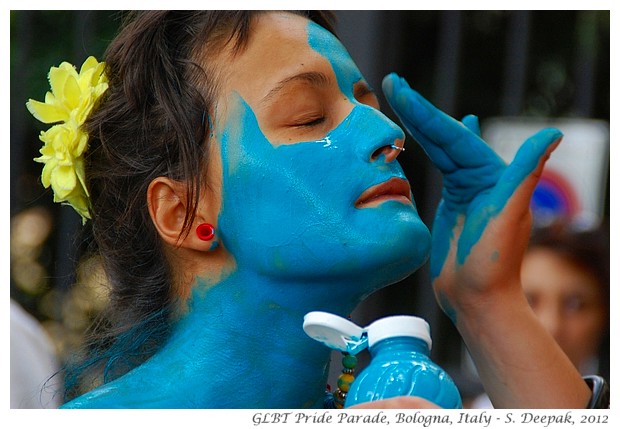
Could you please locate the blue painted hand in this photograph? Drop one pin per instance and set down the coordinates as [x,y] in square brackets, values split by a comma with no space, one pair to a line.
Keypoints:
[482,224]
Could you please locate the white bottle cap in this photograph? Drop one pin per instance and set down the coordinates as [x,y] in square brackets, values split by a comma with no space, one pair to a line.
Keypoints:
[399,326]
[335,332]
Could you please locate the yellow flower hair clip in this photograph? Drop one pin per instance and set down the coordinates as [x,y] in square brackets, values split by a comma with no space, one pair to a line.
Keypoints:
[67,106]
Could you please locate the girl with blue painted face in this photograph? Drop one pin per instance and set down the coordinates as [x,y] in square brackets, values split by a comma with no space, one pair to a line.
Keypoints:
[241,175]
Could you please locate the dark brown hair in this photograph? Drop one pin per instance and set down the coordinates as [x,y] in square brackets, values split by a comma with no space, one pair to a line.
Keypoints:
[152,121]
[587,249]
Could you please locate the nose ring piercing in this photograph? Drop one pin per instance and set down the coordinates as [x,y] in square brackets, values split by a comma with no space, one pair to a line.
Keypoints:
[205,231]
[402,149]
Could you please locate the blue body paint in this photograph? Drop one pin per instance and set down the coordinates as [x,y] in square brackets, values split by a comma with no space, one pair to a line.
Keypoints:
[299,244]
[477,183]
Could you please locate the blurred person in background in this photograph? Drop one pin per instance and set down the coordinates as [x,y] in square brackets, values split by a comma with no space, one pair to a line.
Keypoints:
[565,277]
[33,362]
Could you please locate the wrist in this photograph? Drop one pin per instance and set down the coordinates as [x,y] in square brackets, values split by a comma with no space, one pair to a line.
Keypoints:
[519,362]
[476,310]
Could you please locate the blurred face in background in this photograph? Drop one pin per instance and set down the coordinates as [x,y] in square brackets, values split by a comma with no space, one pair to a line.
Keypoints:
[568,300]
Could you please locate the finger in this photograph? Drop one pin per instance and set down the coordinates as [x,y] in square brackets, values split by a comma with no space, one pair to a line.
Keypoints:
[516,186]
[472,124]
[439,134]
[524,171]
[437,155]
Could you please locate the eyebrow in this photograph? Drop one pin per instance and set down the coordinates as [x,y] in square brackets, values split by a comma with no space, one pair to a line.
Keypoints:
[317,79]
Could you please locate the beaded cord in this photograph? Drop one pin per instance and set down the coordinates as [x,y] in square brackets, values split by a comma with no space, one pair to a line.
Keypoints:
[346,378]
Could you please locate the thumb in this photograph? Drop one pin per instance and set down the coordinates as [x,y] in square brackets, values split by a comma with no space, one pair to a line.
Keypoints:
[522,175]
[472,124]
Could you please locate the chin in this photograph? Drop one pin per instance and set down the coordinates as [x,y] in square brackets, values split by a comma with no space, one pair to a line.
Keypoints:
[387,254]
[401,250]
[405,255]
[394,231]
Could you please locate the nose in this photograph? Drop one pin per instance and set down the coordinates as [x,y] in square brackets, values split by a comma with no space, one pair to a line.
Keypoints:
[381,139]
[390,152]
[551,319]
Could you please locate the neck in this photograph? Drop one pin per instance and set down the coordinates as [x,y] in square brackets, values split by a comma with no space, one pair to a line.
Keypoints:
[247,343]
[240,344]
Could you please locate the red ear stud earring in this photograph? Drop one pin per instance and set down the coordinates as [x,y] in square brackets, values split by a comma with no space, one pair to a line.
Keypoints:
[205,231]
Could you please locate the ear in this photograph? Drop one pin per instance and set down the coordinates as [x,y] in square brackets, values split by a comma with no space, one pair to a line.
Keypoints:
[167,203]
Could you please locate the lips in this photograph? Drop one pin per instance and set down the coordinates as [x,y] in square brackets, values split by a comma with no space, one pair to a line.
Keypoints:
[395,189]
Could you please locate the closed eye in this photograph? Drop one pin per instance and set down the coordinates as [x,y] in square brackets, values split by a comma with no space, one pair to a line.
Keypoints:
[307,115]
[312,122]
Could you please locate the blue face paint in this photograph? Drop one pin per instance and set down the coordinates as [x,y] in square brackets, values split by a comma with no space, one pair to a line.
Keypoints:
[288,212]
[289,220]
[345,69]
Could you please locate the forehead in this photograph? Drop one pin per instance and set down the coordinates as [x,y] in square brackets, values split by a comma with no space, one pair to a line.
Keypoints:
[283,44]
[559,273]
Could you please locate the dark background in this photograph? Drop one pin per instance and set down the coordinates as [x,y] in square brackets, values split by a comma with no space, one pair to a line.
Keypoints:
[548,64]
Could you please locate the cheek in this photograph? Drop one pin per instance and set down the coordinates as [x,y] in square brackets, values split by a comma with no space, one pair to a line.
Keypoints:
[272,197]
[582,333]
[587,325]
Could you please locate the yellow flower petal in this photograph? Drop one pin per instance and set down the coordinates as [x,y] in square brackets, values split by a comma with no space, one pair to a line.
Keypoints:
[46,174]
[51,99]
[85,79]
[71,94]
[82,143]
[63,181]
[100,89]
[57,139]
[58,77]
[81,175]
[80,114]
[80,205]
[90,63]
[46,113]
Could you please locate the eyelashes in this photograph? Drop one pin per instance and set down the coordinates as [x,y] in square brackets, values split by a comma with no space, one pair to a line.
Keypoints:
[307,118]
[316,113]
[312,122]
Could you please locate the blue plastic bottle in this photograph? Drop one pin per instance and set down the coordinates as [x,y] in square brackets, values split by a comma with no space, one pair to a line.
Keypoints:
[400,365]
